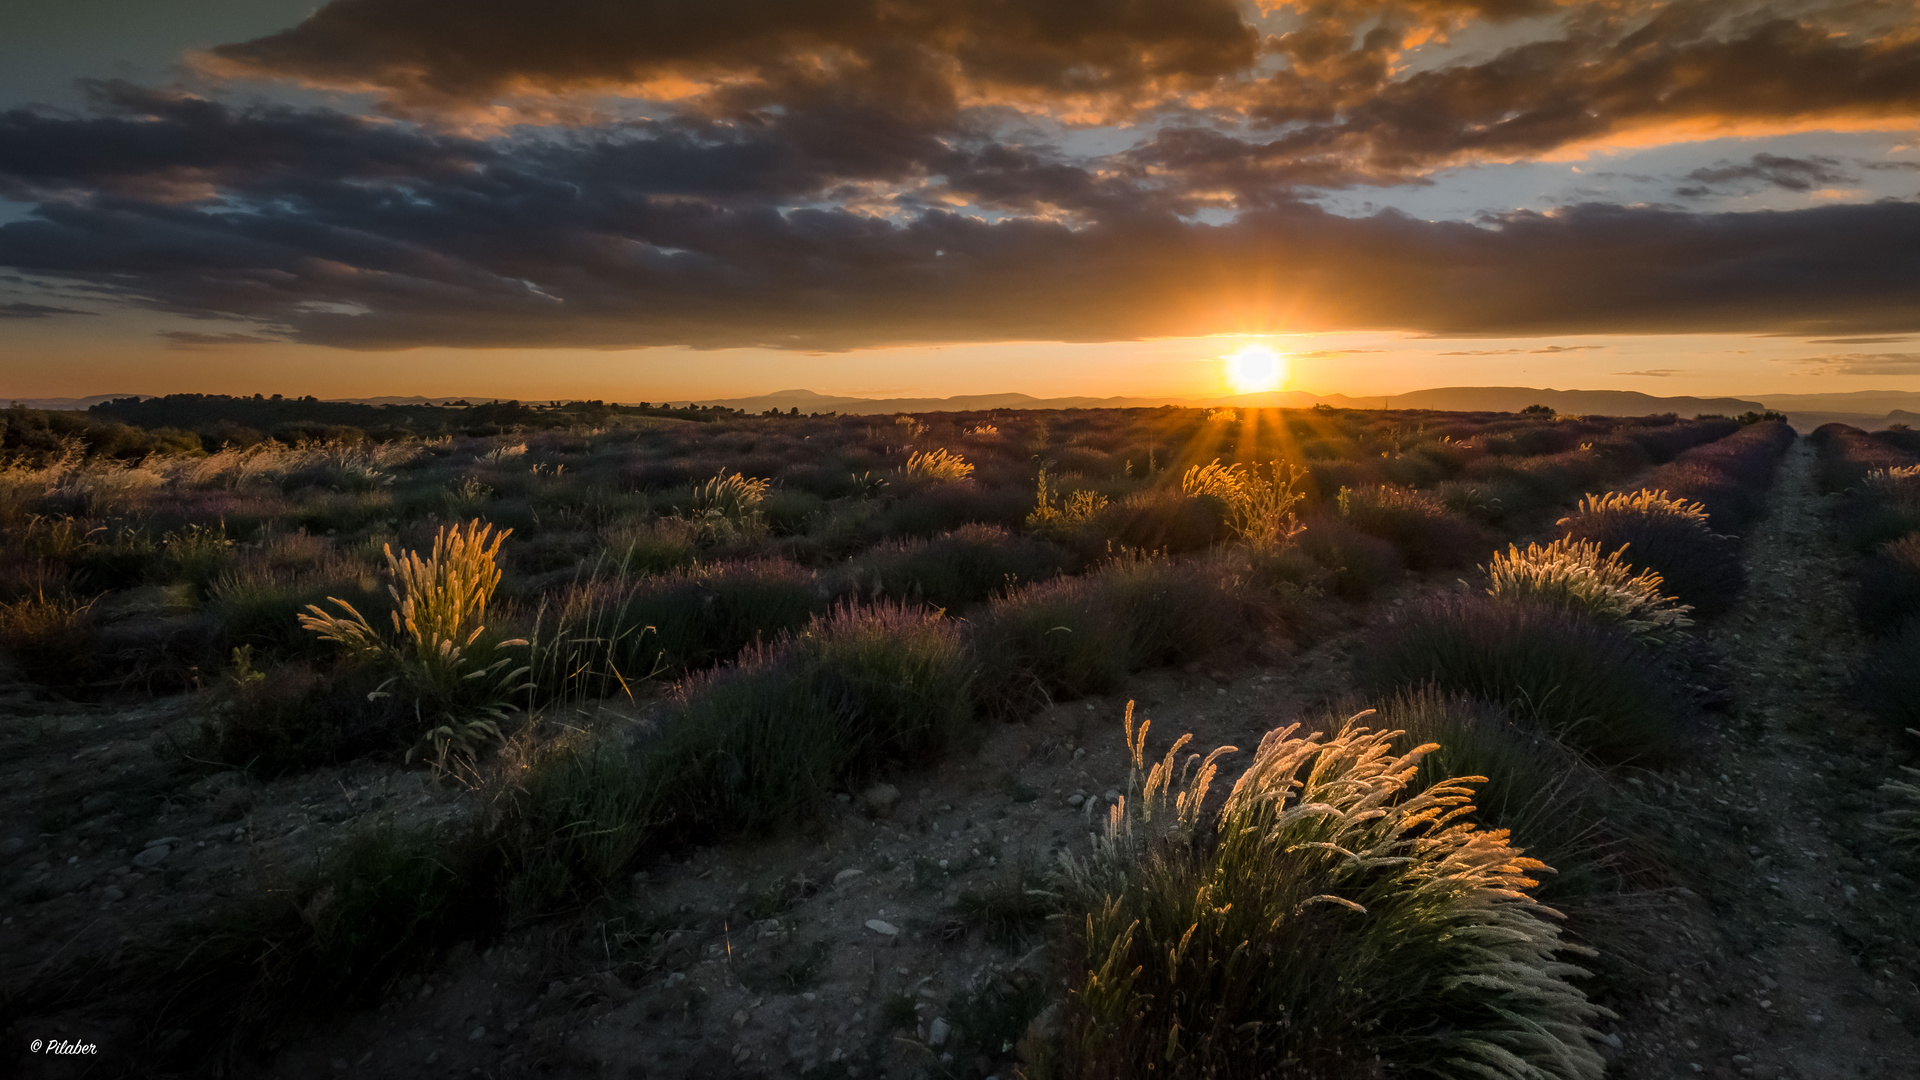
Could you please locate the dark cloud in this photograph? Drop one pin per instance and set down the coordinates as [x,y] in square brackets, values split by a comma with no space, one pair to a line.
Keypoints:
[544,243]
[1653,373]
[23,310]
[836,173]
[1893,340]
[188,339]
[1767,170]
[436,53]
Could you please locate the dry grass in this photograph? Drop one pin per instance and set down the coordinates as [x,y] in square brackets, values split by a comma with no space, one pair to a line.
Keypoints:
[1260,508]
[1574,576]
[1330,921]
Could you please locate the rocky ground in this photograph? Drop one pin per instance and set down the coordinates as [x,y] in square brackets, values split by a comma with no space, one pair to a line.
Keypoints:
[887,940]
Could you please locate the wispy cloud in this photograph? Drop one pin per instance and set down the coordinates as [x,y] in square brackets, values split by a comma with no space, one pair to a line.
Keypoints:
[1654,373]
[23,310]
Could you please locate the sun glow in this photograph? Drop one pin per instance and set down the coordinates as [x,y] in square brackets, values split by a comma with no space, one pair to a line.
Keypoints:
[1251,369]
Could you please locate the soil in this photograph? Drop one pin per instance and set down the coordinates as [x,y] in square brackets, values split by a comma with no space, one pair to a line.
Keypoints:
[1783,943]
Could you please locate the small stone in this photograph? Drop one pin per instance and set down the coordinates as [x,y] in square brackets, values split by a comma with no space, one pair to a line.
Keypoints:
[880,799]
[477,1034]
[152,857]
[847,875]
[113,894]
[1612,1040]
[12,846]
[883,927]
[937,1032]
[1075,800]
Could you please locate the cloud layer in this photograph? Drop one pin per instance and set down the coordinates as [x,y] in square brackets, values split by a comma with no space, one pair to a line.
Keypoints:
[838,173]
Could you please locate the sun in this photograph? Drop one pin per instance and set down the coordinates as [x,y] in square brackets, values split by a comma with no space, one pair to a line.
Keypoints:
[1251,369]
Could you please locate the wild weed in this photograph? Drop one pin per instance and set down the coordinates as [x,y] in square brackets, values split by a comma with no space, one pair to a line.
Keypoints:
[727,507]
[439,662]
[1572,575]
[52,639]
[937,465]
[1259,508]
[1331,919]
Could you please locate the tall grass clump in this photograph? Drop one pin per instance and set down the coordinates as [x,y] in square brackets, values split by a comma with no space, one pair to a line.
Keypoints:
[52,639]
[936,465]
[1573,575]
[727,507]
[1260,508]
[1670,537]
[1331,920]
[1591,686]
[1554,803]
[1884,506]
[439,661]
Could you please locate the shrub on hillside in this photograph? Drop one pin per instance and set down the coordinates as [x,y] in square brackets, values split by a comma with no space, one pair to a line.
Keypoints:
[965,566]
[1167,521]
[1362,566]
[1670,537]
[1417,524]
[752,746]
[1593,687]
[1889,585]
[1070,637]
[1330,916]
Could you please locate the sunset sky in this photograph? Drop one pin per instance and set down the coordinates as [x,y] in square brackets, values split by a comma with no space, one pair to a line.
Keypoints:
[654,200]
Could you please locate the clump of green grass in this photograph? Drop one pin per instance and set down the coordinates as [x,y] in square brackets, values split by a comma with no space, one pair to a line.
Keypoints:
[1572,575]
[440,662]
[1332,919]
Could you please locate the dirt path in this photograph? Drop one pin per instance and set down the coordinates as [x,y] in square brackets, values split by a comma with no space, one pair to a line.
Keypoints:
[1795,952]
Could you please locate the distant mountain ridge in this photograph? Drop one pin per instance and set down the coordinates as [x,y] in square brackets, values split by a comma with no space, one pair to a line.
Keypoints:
[1446,399]
[1863,407]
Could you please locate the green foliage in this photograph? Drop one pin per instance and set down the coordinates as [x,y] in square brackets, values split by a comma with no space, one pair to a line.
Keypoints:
[1332,920]
[1572,575]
